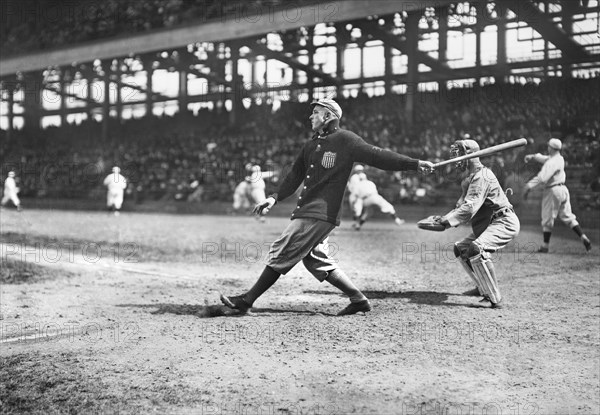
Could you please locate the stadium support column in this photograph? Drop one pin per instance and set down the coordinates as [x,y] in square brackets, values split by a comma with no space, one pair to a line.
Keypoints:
[568,9]
[387,55]
[501,61]
[442,14]
[412,86]
[310,49]
[182,97]
[341,41]
[63,99]
[10,87]
[118,96]
[237,88]
[148,63]
[478,29]
[31,85]
[90,94]
[106,69]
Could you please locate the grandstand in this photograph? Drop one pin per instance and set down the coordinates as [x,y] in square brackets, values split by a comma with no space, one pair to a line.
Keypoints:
[181,92]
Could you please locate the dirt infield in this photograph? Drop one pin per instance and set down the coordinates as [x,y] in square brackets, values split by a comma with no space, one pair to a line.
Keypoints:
[103,314]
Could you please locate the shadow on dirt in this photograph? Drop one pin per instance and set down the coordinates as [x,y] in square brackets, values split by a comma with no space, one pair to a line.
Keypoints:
[416,297]
[208,311]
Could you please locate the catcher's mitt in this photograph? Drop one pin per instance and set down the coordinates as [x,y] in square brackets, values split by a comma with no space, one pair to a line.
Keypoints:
[432,223]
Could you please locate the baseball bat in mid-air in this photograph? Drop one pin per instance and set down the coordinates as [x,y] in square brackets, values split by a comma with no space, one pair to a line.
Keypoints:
[485,152]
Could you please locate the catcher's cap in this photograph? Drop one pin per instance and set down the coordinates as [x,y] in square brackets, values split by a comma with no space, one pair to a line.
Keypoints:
[116,169]
[11,174]
[359,167]
[330,104]
[555,143]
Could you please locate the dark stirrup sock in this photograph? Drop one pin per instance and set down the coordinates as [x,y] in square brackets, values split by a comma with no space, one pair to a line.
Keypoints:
[547,236]
[577,230]
[268,277]
[342,282]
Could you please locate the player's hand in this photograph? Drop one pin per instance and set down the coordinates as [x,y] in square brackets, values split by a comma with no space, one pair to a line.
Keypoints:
[264,207]
[442,221]
[425,167]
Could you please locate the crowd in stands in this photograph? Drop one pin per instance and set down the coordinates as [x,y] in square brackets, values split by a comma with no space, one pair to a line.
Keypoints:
[201,157]
[30,25]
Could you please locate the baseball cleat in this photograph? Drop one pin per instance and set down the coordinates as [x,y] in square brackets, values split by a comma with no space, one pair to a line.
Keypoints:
[587,243]
[399,221]
[356,226]
[236,302]
[353,308]
[497,305]
[543,250]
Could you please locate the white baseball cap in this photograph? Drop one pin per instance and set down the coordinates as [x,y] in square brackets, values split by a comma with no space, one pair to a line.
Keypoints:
[555,143]
[331,105]
[116,169]
[11,174]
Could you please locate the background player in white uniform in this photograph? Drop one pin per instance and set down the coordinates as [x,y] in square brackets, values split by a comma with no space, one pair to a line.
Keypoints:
[493,221]
[11,190]
[241,199]
[556,200]
[252,190]
[116,185]
[363,195]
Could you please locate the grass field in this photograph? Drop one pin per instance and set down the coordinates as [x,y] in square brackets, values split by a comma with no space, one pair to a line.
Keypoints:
[103,314]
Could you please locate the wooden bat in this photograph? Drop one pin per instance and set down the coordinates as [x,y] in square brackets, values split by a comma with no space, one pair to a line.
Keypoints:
[485,152]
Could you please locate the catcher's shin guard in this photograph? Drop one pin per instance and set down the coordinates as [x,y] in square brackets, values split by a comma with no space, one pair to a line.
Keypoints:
[471,274]
[486,274]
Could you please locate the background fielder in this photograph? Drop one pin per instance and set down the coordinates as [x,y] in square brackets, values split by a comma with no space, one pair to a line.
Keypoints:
[116,185]
[11,190]
[363,195]
[556,200]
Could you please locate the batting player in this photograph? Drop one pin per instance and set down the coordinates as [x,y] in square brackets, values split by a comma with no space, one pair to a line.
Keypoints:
[10,191]
[321,169]
[364,194]
[116,185]
[493,221]
[556,200]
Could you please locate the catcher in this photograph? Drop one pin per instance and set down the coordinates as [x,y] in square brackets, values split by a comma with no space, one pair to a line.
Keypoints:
[492,218]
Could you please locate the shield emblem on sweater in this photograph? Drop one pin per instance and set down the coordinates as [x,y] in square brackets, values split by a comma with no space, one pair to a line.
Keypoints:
[328,160]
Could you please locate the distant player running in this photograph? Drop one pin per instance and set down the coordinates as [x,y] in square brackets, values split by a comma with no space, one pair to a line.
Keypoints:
[11,190]
[363,195]
[116,185]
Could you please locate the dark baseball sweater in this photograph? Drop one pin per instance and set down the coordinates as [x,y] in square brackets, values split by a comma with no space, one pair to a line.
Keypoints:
[325,164]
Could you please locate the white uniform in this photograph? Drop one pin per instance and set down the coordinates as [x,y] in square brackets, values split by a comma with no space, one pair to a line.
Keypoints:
[556,200]
[10,191]
[366,195]
[352,188]
[241,196]
[257,184]
[116,185]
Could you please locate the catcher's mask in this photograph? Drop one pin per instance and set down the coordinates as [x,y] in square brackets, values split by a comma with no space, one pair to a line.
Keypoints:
[461,148]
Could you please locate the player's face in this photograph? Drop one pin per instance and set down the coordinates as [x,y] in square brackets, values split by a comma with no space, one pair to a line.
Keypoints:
[317,118]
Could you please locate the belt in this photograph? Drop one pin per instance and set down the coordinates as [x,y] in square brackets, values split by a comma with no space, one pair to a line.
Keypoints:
[501,212]
[553,185]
